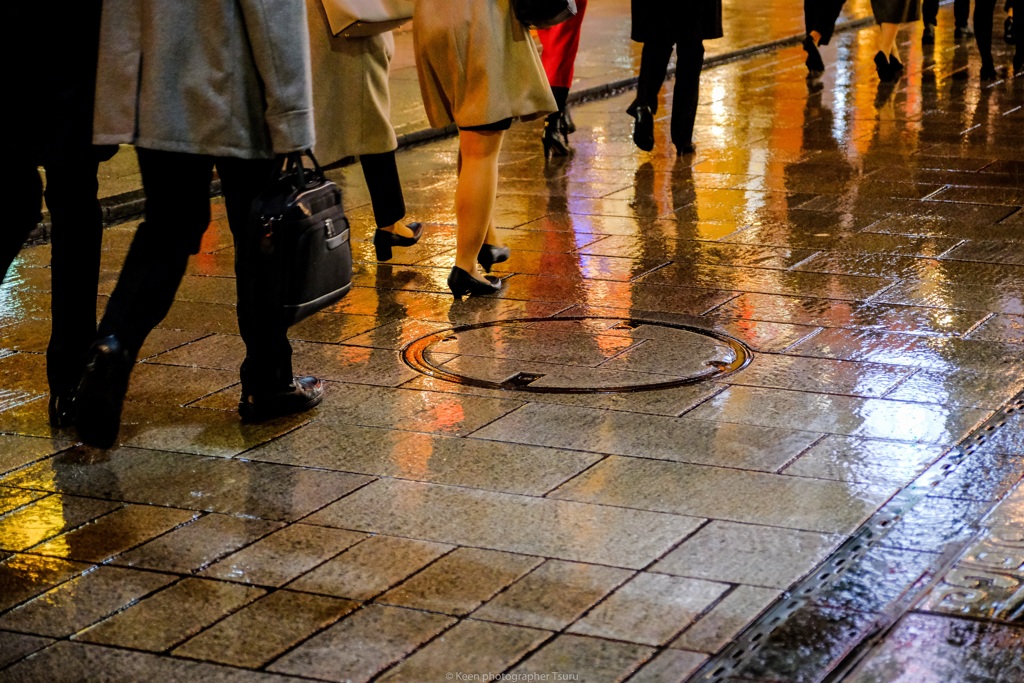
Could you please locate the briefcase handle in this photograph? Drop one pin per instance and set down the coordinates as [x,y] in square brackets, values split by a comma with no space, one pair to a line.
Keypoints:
[292,166]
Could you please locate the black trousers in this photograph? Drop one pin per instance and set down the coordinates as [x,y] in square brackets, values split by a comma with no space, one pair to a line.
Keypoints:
[177,214]
[685,94]
[983,20]
[961,12]
[76,238]
[381,174]
[821,16]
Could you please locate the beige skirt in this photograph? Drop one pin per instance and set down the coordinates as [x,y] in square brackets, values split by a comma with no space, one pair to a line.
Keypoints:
[477,64]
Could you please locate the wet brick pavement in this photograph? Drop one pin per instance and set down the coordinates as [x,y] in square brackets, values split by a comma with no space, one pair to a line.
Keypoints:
[846,507]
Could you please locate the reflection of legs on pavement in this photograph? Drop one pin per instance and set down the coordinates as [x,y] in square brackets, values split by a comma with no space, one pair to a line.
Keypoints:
[930,17]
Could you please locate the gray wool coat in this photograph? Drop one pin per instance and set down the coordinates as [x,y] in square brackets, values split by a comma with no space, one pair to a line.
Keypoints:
[227,78]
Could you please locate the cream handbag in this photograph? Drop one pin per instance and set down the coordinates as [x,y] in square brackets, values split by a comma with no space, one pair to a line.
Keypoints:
[362,18]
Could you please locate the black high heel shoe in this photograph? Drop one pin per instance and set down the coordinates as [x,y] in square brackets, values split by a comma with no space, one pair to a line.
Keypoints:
[885,72]
[384,240]
[556,144]
[895,65]
[566,124]
[490,254]
[462,283]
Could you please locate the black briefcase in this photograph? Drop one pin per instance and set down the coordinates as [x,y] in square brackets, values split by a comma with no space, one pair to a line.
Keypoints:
[302,260]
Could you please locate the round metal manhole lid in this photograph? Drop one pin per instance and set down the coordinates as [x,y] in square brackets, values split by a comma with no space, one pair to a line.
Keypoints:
[577,355]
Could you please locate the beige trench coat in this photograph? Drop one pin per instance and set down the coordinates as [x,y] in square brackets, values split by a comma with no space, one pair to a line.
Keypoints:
[477,64]
[351,99]
[226,78]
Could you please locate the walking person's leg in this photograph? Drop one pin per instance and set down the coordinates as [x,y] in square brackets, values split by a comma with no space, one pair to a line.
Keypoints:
[268,386]
[475,196]
[76,239]
[381,174]
[654,60]
[177,188]
[983,20]
[686,93]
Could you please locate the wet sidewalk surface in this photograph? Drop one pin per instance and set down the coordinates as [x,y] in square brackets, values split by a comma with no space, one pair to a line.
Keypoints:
[847,503]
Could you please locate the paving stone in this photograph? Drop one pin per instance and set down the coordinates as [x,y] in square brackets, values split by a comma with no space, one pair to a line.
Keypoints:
[649,609]
[460,581]
[586,659]
[869,461]
[363,644]
[67,662]
[82,601]
[728,494]
[25,576]
[425,457]
[868,380]
[370,567]
[470,647]
[47,517]
[650,436]
[748,554]
[170,616]
[18,451]
[113,533]
[262,490]
[671,666]
[259,632]
[715,629]
[12,498]
[196,545]
[501,521]
[553,595]
[830,413]
[283,555]
[14,646]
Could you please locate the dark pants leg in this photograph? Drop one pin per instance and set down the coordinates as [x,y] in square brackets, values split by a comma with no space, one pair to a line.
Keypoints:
[267,367]
[686,93]
[983,12]
[930,12]
[76,238]
[821,16]
[381,174]
[961,12]
[653,66]
[177,214]
[26,189]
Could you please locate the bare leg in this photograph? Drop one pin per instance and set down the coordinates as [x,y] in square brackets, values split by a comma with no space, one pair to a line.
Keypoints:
[887,38]
[475,194]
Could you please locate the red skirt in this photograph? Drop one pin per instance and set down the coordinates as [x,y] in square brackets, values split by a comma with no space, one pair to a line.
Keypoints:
[560,43]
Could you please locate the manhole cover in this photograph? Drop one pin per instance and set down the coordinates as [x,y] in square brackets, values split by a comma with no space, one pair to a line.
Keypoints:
[576,355]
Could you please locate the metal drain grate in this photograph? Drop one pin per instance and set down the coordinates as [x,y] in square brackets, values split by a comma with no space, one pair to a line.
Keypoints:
[731,660]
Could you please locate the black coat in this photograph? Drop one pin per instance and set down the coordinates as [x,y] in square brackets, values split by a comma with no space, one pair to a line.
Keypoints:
[670,20]
[54,50]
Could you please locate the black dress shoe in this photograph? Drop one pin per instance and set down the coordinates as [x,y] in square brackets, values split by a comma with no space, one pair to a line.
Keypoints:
[643,128]
[489,255]
[813,62]
[100,395]
[301,395]
[384,240]
[61,408]
[462,283]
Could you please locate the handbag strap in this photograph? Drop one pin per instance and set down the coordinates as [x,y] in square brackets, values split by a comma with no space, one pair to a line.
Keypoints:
[291,165]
